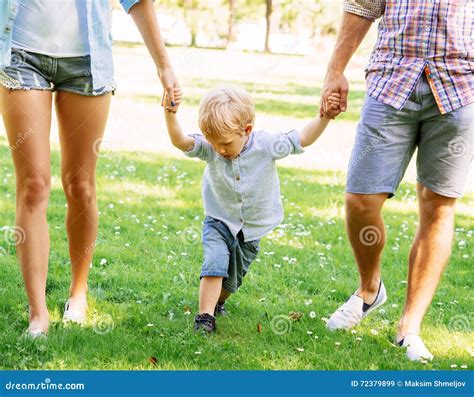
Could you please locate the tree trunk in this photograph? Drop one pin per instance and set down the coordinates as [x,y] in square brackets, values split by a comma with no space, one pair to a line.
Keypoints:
[231,34]
[190,16]
[268,19]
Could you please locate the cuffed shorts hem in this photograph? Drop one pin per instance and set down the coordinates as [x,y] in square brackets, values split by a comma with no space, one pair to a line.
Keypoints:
[439,190]
[211,273]
[390,190]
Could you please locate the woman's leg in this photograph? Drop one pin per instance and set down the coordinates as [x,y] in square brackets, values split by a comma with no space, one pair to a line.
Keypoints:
[82,121]
[27,119]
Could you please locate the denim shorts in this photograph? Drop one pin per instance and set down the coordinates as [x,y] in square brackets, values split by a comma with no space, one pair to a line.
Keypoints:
[387,138]
[32,71]
[225,255]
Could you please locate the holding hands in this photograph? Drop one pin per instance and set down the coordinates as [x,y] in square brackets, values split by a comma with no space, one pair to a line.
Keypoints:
[172,93]
[335,84]
[332,106]
[172,98]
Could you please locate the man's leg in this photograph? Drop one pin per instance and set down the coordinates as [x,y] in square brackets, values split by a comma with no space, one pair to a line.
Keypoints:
[445,152]
[385,142]
[366,231]
[428,257]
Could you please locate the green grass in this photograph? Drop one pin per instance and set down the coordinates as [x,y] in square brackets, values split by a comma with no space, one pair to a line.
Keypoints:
[138,300]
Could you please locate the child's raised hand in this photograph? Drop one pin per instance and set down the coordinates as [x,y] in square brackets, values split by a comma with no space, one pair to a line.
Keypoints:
[333,105]
[178,94]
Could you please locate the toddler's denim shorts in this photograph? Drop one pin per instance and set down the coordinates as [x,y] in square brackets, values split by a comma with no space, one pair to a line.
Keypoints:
[225,255]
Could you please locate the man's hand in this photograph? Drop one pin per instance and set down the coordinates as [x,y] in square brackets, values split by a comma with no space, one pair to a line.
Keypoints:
[172,93]
[335,83]
[313,130]
[351,33]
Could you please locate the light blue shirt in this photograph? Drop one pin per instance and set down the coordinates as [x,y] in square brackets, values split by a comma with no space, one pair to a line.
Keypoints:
[99,32]
[244,193]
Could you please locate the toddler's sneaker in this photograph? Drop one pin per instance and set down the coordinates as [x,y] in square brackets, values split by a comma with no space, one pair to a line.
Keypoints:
[205,322]
[220,310]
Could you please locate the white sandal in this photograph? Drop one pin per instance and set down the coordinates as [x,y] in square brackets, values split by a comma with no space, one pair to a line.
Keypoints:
[73,316]
[34,334]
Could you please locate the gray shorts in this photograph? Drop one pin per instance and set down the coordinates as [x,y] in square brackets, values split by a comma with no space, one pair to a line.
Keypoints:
[387,138]
[225,255]
[32,71]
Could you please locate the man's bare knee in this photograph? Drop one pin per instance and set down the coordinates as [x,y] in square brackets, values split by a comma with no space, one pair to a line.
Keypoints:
[364,205]
[435,204]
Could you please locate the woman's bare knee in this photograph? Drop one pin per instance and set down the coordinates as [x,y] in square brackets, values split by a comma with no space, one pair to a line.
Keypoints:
[79,189]
[34,190]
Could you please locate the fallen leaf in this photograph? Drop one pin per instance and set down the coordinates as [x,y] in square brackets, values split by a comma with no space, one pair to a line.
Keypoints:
[295,316]
[259,327]
[153,360]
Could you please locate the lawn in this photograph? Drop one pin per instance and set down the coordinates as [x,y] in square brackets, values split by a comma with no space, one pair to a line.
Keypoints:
[144,280]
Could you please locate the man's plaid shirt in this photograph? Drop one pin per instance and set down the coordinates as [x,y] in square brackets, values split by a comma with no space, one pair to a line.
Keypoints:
[416,36]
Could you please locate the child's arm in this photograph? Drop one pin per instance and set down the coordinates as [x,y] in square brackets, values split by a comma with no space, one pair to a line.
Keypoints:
[313,130]
[178,139]
[315,127]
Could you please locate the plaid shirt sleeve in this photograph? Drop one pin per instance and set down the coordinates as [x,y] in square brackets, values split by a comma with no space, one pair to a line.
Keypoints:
[370,9]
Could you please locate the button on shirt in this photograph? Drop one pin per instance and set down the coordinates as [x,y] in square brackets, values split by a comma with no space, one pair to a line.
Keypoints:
[244,193]
[419,36]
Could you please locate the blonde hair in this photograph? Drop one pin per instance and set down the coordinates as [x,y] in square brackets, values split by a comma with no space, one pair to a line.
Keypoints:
[224,110]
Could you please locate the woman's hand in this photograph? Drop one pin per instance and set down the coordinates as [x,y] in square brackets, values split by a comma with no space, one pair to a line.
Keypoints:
[177,95]
[172,93]
[144,17]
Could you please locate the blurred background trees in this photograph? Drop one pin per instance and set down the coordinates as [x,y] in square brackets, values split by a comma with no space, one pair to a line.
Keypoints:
[261,25]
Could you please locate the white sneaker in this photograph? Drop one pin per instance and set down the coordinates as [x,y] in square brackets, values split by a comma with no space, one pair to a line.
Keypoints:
[416,349]
[354,310]
[73,316]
